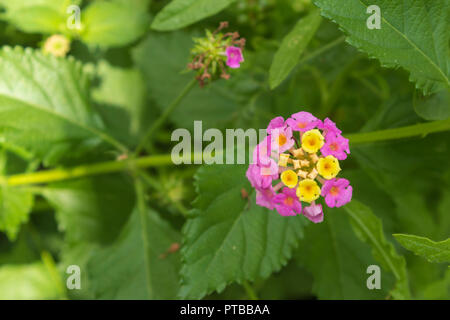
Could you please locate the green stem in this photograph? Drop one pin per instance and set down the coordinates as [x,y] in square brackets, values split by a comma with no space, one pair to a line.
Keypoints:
[134,164]
[61,174]
[158,123]
[321,50]
[249,290]
[50,264]
[421,129]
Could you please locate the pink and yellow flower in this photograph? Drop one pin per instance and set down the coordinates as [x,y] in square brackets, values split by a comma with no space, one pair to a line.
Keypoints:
[302,121]
[337,192]
[288,169]
[287,203]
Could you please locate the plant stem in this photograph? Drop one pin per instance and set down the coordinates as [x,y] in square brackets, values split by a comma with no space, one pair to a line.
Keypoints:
[61,174]
[134,164]
[321,50]
[421,129]
[147,139]
[249,290]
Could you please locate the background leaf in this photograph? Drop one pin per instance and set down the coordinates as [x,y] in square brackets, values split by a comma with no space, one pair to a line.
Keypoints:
[181,13]
[113,24]
[27,282]
[413,35]
[338,261]
[136,266]
[430,250]
[38,16]
[92,209]
[45,90]
[15,207]
[434,107]
[226,241]
[369,229]
[292,47]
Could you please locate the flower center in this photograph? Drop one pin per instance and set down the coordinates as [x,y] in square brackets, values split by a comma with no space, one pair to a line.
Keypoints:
[281,139]
[334,191]
[301,125]
[333,147]
[289,201]
[266,171]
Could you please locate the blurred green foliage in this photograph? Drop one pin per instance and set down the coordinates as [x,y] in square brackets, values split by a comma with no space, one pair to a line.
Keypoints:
[178,232]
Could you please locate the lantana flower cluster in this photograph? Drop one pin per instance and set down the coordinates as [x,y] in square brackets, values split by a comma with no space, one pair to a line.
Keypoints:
[213,54]
[297,163]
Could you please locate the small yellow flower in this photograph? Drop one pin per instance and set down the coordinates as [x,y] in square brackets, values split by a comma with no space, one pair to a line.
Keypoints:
[312,141]
[289,178]
[328,167]
[308,190]
[57,45]
[283,161]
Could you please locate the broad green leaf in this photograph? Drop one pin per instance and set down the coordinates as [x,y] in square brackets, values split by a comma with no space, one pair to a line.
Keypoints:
[15,207]
[338,261]
[121,98]
[430,250]
[369,229]
[38,16]
[113,24]
[181,13]
[27,282]
[92,209]
[414,35]
[292,47]
[434,107]
[138,265]
[438,290]
[230,239]
[78,253]
[44,106]
[140,4]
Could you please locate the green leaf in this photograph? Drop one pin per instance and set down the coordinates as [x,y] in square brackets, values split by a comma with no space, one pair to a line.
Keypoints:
[430,250]
[37,16]
[369,229]
[181,13]
[113,24]
[434,107]
[338,261]
[414,35]
[121,98]
[137,265]
[44,106]
[15,207]
[92,209]
[292,47]
[27,282]
[230,239]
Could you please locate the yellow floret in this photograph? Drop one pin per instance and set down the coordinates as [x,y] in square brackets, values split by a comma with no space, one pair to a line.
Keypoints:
[283,161]
[328,167]
[308,190]
[289,178]
[312,141]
